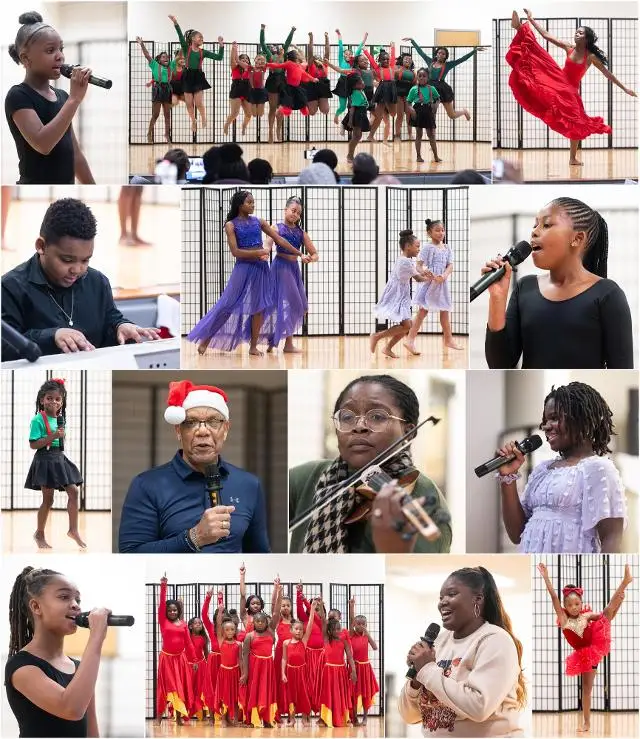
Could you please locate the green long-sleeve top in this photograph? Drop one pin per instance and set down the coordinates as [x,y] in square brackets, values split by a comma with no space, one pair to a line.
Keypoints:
[439,73]
[342,62]
[265,49]
[359,99]
[160,73]
[302,485]
[193,59]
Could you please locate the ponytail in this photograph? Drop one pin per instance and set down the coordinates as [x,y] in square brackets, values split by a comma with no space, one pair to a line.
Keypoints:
[591,37]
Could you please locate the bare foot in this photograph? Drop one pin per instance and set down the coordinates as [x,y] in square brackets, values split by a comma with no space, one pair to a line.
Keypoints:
[467,115]
[255,352]
[306,723]
[75,535]
[410,347]
[292,721]
[419,159]
[39,539]
[124,238]
[270,350]
[364,720]
[137,241]
[451,344]
[515,20]
[389,353]
[628,577]
[584,728]
[575,163]
[291,349]
[373,342]
[202,347]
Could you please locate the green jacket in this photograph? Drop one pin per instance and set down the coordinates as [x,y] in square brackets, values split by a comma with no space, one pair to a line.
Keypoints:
[302,484]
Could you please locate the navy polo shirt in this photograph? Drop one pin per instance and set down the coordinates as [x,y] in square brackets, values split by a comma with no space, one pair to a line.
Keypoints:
[163,503]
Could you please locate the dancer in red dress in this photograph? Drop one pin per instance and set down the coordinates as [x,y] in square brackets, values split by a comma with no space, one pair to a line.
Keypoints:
[174,679]
[336,691]
[258,674]
[366,687]
[315,645]
[200,643]
[240,89]
[292,95]
[550,93]
[281,621]
[227,695]
[293,672]
[587,632]
[248,606]
[213,659]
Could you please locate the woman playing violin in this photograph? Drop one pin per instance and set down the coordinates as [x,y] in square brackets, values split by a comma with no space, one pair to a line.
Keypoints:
[370,414]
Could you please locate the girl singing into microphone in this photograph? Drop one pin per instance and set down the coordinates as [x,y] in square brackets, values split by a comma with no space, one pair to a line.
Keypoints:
[49,693]
[40,116]
[51,469]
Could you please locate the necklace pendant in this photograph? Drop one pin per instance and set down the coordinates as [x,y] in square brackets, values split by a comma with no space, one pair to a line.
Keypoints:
[70,322]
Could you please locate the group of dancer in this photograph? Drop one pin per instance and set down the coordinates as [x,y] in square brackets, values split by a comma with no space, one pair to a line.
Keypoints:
[371,87]
[262,670]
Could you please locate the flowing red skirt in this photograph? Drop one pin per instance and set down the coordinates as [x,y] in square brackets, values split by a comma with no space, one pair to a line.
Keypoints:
[297,690]
[260,706]
[543,89]
[174,685]
[281,692]
[366,687]
[228,692]
[315,663]
[199,680]
[211,680]
[585,659]
[335,695]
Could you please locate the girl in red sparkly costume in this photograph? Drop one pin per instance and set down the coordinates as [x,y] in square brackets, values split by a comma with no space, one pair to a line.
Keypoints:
[366,686]
[200,643]
[293,671]
[587,632]
[212,666]
[260,706]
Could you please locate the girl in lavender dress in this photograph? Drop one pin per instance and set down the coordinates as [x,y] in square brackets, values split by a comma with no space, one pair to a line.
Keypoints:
[437,261]
[574,503]
[245,311]
[395,303]
[290,296]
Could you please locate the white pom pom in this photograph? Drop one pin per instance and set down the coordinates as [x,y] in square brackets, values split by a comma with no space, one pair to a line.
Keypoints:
[175,415]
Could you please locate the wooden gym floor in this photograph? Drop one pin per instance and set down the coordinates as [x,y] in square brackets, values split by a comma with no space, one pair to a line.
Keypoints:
[334,352]
[287,159]
[616,724]
[553,164]
[18,528]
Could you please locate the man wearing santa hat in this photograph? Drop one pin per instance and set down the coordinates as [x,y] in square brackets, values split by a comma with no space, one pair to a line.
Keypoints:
[197,502]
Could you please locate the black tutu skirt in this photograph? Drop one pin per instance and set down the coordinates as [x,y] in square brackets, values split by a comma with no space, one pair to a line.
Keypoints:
[293,97]
[239,89]
[423,116]
[51,469]
[193,80]
[360,120]
[403,87]
[258,95]
[274,82]
[161,92]
[444,90]
[387,92]
[176,88]
[318,90]
[341,87]
[368,91]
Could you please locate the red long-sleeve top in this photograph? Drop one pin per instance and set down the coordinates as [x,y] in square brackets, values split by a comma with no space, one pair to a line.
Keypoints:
[198,642]
[384,74]
[206,622]
[317,71]
[175,634]
[294,73]
[238,73]
[303,608]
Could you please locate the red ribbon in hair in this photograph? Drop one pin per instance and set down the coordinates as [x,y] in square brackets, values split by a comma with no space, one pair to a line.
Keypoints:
[59,380]
[568,591]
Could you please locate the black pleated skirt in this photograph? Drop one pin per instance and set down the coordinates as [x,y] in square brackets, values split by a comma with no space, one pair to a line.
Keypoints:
[50,468]
[386,92]
[423,116]
[239,89]
[193,80]
[161,92]
[444,90]
[293,97]
[360,120]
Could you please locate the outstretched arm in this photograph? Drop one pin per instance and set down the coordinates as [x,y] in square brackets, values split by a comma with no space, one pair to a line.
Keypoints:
[455,62]
[358,51]
[599,65]
[341,70]
[183,44]
[276,605]
[144,49]
[557,606]
[289,39]
[352,614]
[545,35]
[427,59]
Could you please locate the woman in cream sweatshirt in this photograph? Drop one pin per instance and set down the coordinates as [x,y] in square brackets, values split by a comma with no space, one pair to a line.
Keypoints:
[470,683]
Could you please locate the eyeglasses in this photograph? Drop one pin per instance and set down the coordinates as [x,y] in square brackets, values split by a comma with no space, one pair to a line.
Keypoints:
[212,424]
[375,420]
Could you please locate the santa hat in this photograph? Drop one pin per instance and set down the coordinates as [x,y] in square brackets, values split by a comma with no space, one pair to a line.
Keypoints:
[185,395]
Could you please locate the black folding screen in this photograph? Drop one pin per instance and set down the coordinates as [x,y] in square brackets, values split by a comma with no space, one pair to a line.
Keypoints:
[408,208]
[616,683]
[87,439]
[470,80]
[618,38]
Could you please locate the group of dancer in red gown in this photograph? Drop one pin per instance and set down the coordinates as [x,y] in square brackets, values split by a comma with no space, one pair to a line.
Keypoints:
[261,670]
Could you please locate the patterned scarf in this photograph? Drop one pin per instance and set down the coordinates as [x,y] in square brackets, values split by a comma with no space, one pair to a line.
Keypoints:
[326,533]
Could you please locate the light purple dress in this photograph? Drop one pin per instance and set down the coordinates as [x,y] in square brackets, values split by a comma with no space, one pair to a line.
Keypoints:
[432,295]
[249,291]
[290,296]
[564,505]
[395,303]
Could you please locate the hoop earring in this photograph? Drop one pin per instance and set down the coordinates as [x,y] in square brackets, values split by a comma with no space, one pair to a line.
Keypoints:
[476,610]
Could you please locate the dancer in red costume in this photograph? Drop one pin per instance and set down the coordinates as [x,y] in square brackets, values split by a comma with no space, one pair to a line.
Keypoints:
[385,97]
[366,687]
[240,90]
[336,692]
[174,679]
[281,622]
[227,694]
[212,667]
[258,674]
[248,606]
[292,95]
[293,672]
[550,93]
[315,645]
[200,643]
[319,93]
[588,633]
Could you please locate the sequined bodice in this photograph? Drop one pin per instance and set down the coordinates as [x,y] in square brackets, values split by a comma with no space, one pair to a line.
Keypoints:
[248,232]
[293,235]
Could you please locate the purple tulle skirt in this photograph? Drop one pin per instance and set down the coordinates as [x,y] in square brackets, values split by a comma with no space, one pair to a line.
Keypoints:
[228,323]
[290,297]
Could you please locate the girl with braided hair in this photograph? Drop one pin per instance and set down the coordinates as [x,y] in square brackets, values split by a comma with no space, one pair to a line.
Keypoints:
[553,94]
[470,682]
[588,633]
[49,693]
[51,469]
[574,502]
[571,316]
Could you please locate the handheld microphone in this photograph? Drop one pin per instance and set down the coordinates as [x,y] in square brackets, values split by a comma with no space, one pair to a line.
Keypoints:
[430,635]
[66,69]
[214,484]
[514,256]
[82,619]
[526,446]
[61,426]
[19,343]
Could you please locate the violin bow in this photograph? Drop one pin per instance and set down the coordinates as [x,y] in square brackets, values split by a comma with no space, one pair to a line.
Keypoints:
[336,490]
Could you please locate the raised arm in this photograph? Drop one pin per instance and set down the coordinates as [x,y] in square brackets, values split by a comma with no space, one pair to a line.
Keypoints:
[276,605]
[427,59]
[327,47]
[555,601]
[289,39]
[144,49]
[212,54]
[358,51]
[374,64]
[233,57]
[308,628]
[352,614]
[243,595]
[183,43]
[302,606]
[219,616]
[341,59]
[263,46]
[162,603]
[275,236]
[206,620]
[310,54]
[545,35]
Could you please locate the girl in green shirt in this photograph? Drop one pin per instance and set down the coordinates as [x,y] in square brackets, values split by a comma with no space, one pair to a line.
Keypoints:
[424,97]
[161,93]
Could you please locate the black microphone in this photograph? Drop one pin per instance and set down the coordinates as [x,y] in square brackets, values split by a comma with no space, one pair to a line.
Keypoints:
[526,446]
[82,619]
[19,343]
[514,256]
[214,484]
[430,635]
[66,69]
[61,426]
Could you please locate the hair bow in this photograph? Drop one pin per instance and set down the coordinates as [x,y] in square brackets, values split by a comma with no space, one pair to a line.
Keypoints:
[568,591]
[59,380]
